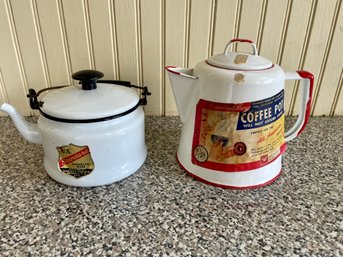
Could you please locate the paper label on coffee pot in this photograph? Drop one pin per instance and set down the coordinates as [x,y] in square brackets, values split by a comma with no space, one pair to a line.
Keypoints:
[238,137]
[75,160]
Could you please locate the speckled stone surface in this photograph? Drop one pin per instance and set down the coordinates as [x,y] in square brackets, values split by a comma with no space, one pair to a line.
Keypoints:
[161,211]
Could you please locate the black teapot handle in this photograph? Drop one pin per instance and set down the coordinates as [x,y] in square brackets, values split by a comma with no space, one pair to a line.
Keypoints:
[35,104]
[89,78]
[145,91]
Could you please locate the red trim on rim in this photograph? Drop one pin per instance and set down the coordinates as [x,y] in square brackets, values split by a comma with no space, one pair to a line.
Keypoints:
[226,186]
[307,75]
[169,68]
[242,40]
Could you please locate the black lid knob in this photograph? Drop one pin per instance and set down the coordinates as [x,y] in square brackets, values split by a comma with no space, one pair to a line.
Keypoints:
[87,78]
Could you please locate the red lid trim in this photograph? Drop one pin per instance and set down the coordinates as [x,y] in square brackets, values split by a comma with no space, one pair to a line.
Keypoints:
[242,40]
[238,69]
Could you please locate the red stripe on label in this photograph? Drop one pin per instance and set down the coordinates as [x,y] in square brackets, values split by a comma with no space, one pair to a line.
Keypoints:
[71,158]
[224,167]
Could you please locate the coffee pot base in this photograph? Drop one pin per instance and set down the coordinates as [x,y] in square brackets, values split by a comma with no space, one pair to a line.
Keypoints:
[234,180]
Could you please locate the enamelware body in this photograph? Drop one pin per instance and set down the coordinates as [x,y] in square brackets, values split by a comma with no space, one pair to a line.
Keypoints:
[91,134]
[232,109]
[116,149]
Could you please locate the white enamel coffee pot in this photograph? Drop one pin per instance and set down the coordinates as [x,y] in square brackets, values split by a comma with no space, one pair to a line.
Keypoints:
[232,109]
[92,134]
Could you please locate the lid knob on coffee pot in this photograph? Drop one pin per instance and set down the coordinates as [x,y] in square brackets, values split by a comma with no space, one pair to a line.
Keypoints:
[88,78]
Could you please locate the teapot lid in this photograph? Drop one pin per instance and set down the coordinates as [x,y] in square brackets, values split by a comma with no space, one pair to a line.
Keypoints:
[90,102]
[240,61]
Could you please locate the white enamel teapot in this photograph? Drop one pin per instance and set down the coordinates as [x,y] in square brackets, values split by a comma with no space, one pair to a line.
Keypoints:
[232,109]
[92,134]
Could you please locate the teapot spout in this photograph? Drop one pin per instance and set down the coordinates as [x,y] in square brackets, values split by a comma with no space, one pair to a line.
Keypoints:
[28,130]
[182,82]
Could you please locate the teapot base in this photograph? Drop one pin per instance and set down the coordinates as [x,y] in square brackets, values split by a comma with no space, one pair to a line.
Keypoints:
[94,179]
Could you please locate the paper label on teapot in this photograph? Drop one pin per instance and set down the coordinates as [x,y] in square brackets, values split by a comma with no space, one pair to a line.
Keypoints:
[238,137]
[75,160]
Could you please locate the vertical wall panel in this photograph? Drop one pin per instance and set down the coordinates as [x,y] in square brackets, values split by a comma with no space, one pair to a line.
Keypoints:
[44,41]
[176,27]
[200,26]
[30,48]
[333,69]
[78,38]
[249,23]
[52,35]
[338,108]
[126,21]
[152,53]
[11,66]
[101,29]
[294,43]
[3,92]
[224,24]
[274,23]
[318,41]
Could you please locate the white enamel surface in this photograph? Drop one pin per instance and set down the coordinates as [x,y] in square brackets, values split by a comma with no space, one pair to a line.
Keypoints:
[28,130]
[227,61]
[219,85]
[74,103]
[117,147]
[183,88]
[250,178]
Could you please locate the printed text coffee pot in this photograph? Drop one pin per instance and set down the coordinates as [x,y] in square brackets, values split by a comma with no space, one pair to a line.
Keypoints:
[232,109]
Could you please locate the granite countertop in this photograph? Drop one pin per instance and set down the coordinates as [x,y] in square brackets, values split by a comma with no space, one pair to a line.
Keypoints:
[161,211]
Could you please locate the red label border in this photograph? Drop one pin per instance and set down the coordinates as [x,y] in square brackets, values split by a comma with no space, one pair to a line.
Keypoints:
[223,167]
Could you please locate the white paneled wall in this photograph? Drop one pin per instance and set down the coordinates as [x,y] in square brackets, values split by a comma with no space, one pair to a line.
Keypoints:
[43,42]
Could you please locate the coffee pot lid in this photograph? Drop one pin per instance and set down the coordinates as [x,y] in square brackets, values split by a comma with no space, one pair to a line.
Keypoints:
[238,60]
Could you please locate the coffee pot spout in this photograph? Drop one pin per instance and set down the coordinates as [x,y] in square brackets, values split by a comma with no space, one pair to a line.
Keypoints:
[183,85]
[28,130]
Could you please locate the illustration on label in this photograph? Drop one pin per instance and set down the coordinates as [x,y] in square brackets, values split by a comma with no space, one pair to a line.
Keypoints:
[238,137]
[75,160]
